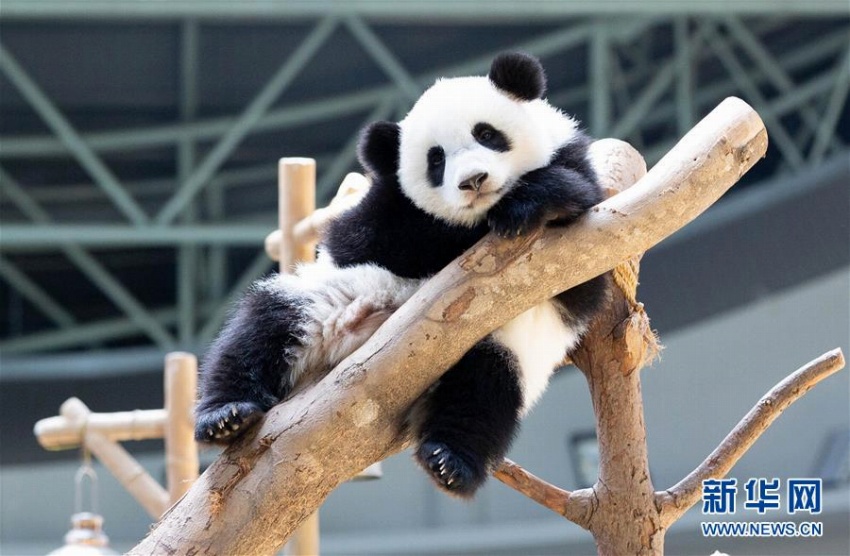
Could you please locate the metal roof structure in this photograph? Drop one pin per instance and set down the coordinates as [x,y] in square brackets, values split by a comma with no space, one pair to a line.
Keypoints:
[139,140]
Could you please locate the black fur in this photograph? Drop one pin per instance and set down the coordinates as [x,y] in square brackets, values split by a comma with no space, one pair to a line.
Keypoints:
[519,75]
[491,137]
[377,149]
[246,369]
[471,417]
[436,165]
[387,229]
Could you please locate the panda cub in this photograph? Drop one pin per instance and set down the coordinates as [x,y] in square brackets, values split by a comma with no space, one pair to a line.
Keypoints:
[474,154]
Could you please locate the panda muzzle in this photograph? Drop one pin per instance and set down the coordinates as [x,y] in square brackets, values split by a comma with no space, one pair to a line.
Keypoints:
[473,182]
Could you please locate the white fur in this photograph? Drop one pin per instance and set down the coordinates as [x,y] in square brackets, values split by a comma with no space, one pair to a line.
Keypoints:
[539,340]
[343,308]
[445,115]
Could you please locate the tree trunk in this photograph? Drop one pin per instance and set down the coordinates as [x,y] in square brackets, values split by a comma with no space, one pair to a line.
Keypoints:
[624,518]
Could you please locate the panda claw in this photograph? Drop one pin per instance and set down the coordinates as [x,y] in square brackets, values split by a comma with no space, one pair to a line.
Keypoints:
[436,452]
[219,424]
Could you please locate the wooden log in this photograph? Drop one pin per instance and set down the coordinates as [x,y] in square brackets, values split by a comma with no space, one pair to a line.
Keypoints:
[59,433]
[181,450]
[307,229]
[265,485]
[297,202]
[124,467]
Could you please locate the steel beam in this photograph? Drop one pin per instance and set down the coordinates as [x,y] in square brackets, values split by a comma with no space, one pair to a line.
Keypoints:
[600,80]
[806,54]
[122,140]
[35,294]
[69,137]
[347,155]
[383,57]
[300,114]
[772,69]
[684,97]
[187,255]
[304,113]
[96,272]
[834,105]
[249,117]
[777,131]
[57,236]
[435,11]
[258,267]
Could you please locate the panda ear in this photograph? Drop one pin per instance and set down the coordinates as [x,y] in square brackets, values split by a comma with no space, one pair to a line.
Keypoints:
[378,147]
[519,75]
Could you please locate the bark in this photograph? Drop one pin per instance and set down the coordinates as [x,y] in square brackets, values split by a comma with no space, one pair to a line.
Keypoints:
[253,497]
[624,519]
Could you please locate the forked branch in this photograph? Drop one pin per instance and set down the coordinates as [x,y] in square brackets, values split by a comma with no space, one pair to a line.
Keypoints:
[676,500]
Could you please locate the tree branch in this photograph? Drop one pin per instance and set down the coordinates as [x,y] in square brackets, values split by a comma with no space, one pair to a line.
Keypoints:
[676,500]
[577,506]
[262,487]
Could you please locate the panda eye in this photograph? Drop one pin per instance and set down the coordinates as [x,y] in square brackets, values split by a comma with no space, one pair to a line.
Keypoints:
[490,137]
[436,156]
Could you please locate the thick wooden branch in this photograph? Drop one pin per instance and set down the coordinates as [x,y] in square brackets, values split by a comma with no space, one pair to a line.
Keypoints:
[676,500]
[252,498]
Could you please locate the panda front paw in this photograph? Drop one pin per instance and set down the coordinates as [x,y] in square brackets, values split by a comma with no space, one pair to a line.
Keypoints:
[451,471]
[514,219]
[223,423]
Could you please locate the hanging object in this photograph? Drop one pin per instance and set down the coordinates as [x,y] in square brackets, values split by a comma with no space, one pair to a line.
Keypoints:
[86,537]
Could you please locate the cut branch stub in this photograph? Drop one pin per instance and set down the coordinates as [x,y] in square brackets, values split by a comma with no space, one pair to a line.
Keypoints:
[253,497]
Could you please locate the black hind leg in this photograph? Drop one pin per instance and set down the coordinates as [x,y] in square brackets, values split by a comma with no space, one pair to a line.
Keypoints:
[581,303]
[470,418]
[247,368]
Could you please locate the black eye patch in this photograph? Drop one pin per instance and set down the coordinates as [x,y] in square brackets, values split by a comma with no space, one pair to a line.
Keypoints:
[490,137]
[436,165]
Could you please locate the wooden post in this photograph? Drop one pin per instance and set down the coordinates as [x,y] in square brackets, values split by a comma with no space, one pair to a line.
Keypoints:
[59,433]
[181,451]
[297,201]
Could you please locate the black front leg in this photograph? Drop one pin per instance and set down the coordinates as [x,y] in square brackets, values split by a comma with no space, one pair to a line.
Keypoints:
[470,418]
[549,193]
[247,369]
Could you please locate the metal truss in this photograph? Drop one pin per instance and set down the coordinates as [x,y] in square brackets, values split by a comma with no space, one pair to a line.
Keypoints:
[630,92]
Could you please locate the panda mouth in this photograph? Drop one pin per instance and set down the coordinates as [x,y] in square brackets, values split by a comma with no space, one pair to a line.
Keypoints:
[482,198]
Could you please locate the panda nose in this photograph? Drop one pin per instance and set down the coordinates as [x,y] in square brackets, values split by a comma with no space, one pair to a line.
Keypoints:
[473,182]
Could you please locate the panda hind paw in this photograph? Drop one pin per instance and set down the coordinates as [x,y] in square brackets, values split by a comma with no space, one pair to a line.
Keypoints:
[449,470]
[221,424]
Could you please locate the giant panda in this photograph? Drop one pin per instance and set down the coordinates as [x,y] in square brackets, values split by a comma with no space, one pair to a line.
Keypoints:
[473,155]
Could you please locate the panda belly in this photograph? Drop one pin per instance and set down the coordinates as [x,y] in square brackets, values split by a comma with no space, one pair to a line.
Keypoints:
[341,309]
[539,340]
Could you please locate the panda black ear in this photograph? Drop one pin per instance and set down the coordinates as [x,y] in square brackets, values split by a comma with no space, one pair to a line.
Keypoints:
[378,147]
[518,74]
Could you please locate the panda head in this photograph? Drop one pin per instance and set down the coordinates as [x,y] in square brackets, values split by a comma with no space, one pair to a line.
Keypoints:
[468,140]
